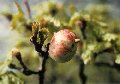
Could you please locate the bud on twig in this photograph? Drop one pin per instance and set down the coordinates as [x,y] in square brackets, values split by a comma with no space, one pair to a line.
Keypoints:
[15,52]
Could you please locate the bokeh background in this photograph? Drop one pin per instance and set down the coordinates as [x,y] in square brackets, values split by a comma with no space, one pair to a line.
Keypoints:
[67,73]
[8,5]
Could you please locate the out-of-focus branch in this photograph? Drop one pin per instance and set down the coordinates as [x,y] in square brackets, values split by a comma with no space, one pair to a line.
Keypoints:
[82,24]
[116,66]
[28,8]
[81,72]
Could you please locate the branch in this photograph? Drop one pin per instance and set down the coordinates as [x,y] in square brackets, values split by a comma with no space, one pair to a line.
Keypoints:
[83,27]
[116,66]
[106,50]
[81,72]
[42,54]
[82,24]
[28,8]
[25,70]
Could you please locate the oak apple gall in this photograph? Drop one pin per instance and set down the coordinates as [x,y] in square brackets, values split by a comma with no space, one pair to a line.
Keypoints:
[63,45]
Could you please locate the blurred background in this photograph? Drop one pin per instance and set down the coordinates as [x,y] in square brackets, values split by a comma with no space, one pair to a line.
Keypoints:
[8,5]
[56,73]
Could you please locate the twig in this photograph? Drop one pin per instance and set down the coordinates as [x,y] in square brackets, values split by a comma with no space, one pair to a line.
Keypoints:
[105,50]
[82,75]
[43,55]
[83,27]
[13,66]
[81,72]
[42,71]
[25,70]
[28,8]
[116,66]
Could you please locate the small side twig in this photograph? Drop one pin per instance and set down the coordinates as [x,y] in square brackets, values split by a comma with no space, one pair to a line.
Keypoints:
[26,71]
[16,53]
